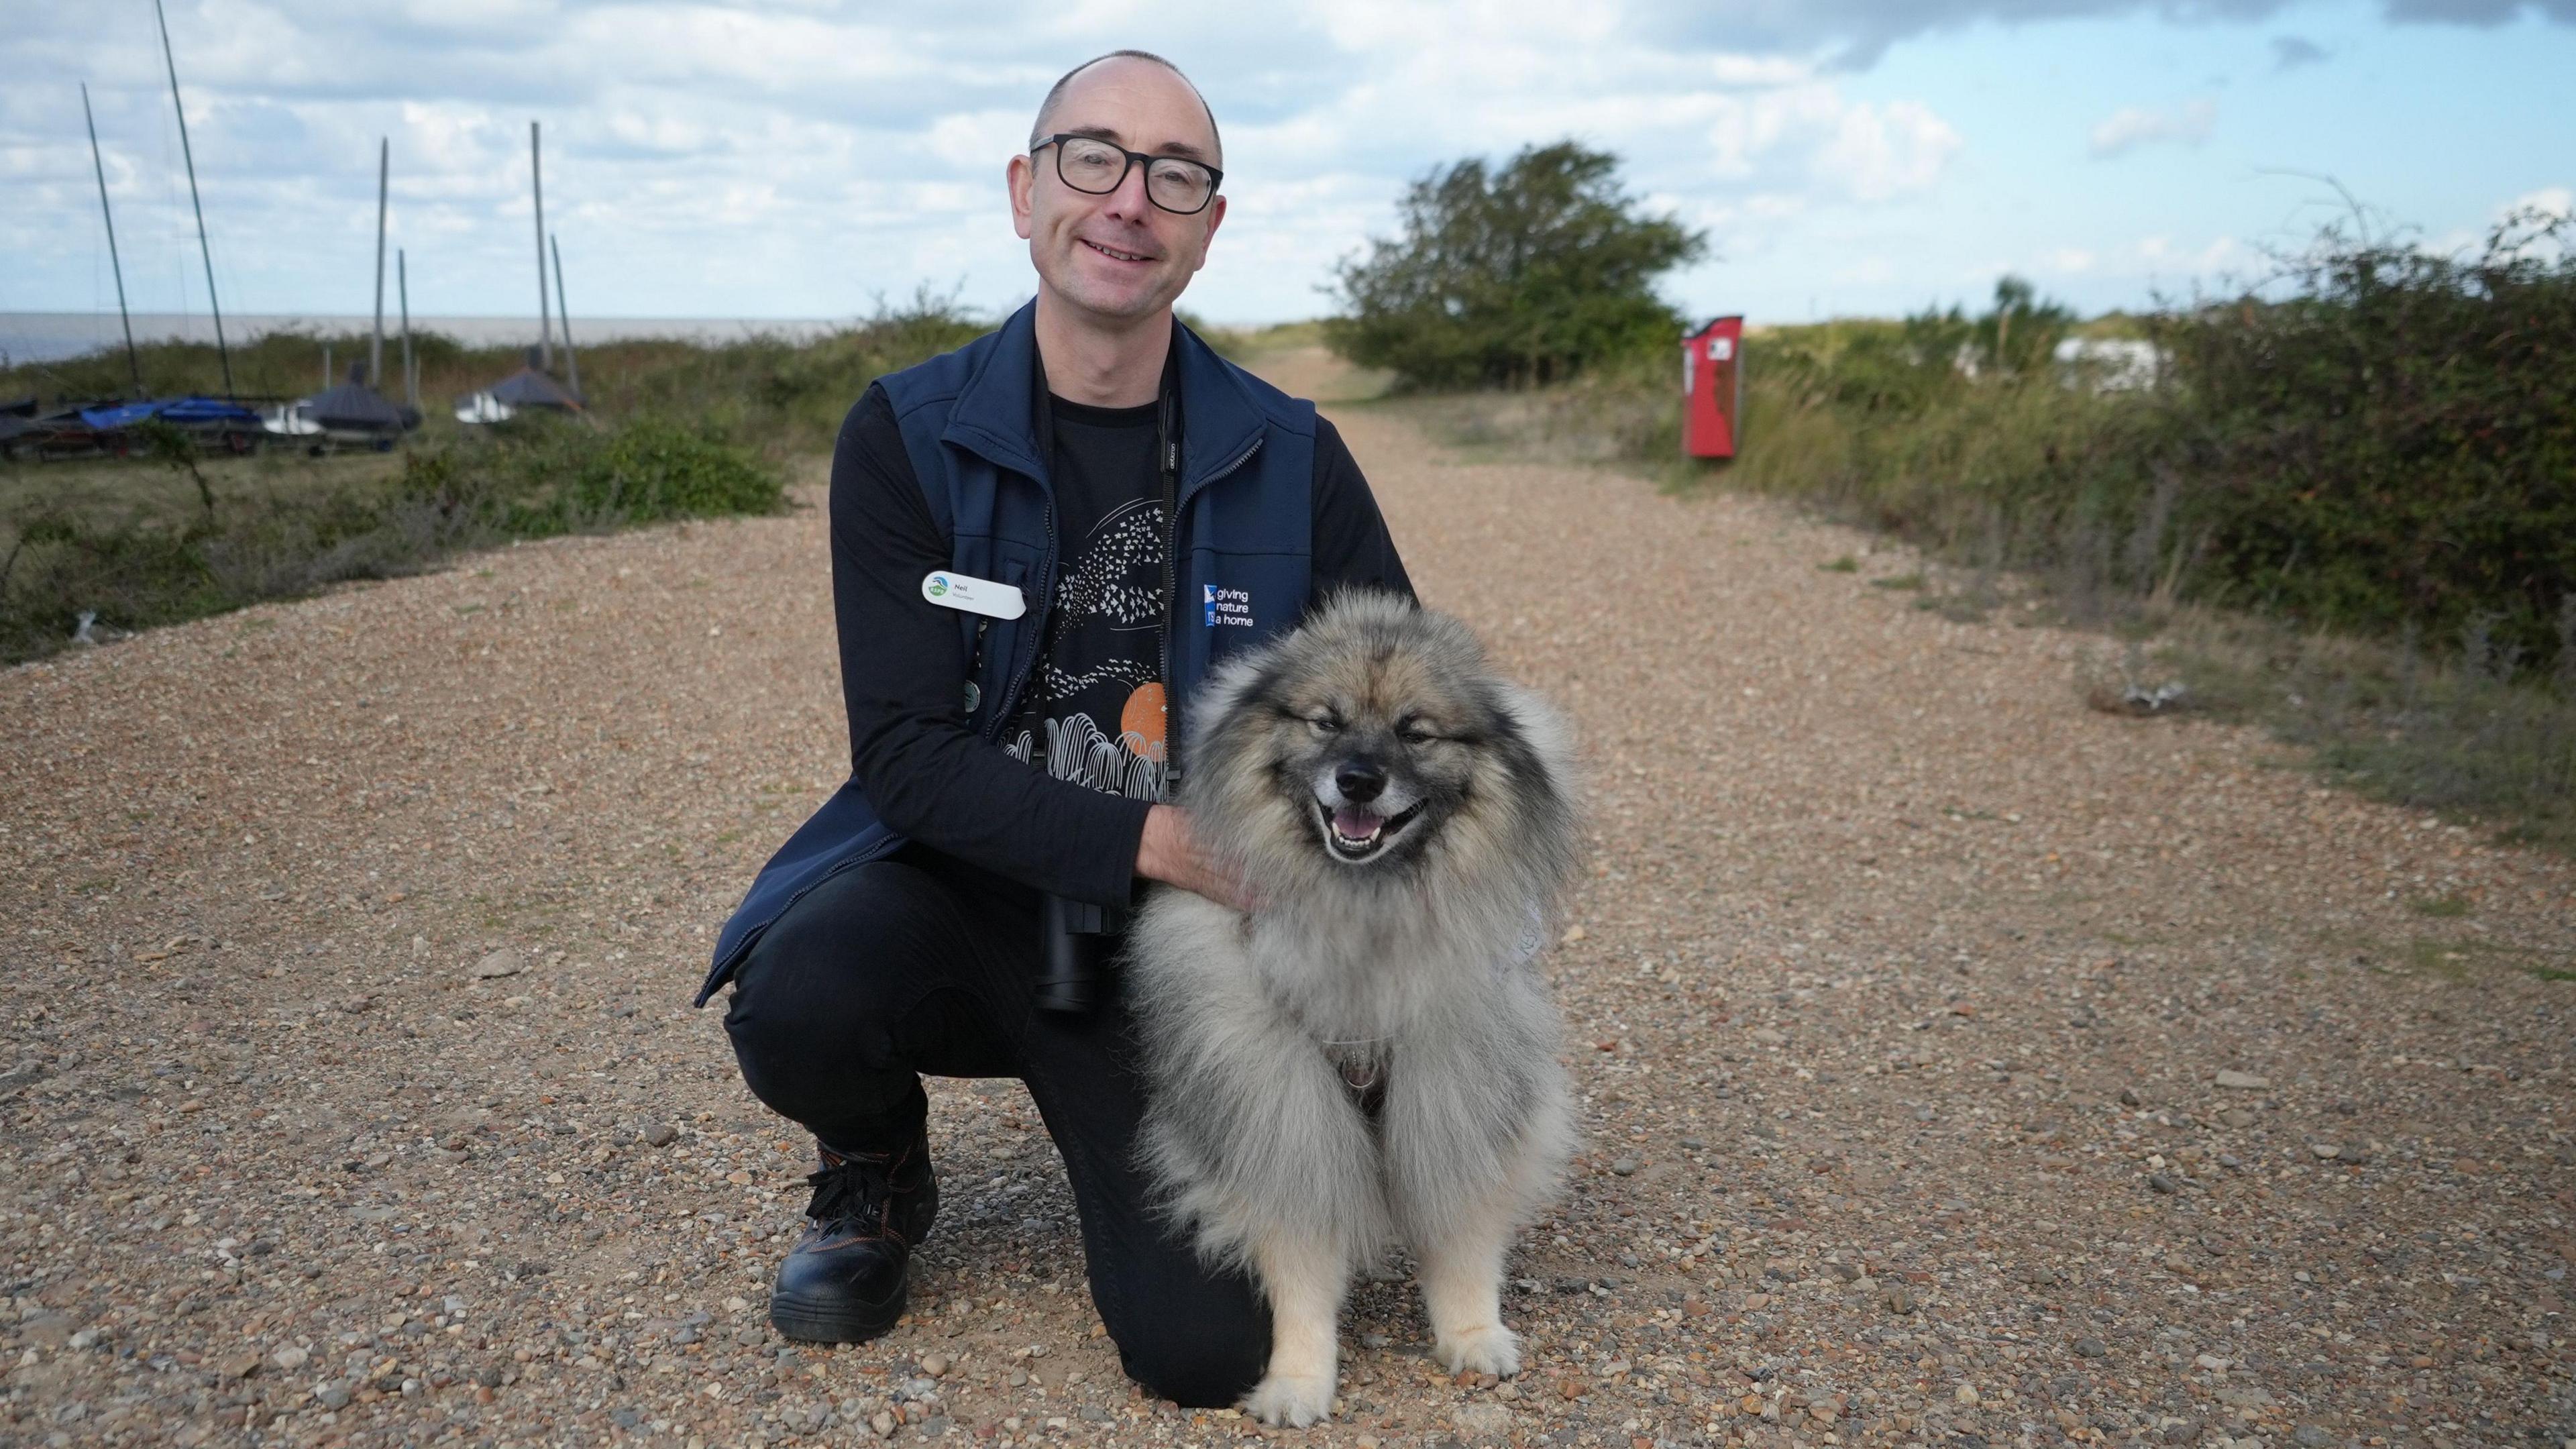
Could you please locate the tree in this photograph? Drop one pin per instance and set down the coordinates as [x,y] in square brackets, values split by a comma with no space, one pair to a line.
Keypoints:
[1510,276]
[2019,336]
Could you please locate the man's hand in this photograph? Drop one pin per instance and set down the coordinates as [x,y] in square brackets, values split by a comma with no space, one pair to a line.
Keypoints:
[1170,853]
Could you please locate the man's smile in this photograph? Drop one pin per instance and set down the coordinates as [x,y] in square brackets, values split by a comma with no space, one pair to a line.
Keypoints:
[1112,252]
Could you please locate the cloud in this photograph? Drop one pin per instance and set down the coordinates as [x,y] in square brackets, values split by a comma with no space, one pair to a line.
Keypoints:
[797,157]
[2556,202]
[2485,14]
[1877,153]
[2289,52]
[2553,207]
[2135,126]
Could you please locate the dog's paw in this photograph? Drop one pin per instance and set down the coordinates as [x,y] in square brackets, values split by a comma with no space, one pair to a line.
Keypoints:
[1290,1401]
[1486,1349]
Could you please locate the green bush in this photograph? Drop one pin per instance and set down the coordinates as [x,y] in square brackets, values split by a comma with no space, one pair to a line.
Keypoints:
[2394,441]
[1528,273]
[2378,439]
[539,475]
[535,477]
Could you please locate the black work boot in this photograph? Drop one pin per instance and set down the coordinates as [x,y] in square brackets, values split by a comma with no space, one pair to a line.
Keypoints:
[844,1282]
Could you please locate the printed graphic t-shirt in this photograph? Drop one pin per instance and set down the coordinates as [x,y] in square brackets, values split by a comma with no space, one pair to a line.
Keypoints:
[924,768]
[1094,712]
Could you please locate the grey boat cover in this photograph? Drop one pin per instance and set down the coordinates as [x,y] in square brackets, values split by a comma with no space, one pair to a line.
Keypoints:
[354,407]
[529,388]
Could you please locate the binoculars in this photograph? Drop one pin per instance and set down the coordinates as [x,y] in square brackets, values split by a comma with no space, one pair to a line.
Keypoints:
[1080,938]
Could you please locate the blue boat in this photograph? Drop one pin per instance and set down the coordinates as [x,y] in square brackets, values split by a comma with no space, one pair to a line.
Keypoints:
[216,423]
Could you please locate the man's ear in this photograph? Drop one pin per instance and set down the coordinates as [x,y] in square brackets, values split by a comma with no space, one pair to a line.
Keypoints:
[1020,179]
[1216,218]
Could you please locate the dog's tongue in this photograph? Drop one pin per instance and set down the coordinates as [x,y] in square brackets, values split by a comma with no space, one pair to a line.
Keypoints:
[1356,824]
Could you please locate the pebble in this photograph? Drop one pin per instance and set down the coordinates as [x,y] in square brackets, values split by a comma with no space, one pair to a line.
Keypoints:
[500,963]
[1625,1166]
[1481,1420]
[2244,1081]
[935,1365]
[2326,1150]
[289,1358]
[1899,1299]
[2090,1348]
[660,1134]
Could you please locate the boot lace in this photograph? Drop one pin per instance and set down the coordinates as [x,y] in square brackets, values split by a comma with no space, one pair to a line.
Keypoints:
[850,1191]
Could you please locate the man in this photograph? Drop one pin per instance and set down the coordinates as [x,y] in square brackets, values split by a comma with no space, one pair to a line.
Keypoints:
[1036,540]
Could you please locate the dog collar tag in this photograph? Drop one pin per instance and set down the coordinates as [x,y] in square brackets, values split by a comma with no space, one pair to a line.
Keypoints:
[974,595]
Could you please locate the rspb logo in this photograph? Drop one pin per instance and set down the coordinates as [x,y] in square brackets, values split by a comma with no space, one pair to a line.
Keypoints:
[1230,607]
[938,585]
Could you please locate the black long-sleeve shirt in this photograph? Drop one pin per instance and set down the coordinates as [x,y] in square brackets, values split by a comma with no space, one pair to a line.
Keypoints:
[903,670]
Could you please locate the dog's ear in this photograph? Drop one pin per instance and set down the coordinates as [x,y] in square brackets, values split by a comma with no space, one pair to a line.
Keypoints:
[1239,681]
[1357,607]
[1533,721]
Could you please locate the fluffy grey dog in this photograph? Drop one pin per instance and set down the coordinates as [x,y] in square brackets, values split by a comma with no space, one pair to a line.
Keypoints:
[1372,1055]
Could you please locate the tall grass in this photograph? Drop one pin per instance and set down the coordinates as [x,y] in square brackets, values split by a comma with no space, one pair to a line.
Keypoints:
[673,430]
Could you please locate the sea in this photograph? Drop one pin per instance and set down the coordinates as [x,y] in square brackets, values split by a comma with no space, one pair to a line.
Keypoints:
[53,336]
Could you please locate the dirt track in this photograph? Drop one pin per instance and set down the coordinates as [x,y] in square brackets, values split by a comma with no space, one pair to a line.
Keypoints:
[1899,1001]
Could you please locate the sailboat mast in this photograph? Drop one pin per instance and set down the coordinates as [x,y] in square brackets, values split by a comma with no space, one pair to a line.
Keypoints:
[376,348]
[572,364]
[545,330]
[133,364]
[190,157]
[411,373]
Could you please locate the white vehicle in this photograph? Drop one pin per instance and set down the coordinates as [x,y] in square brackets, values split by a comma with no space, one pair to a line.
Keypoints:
[2110,364]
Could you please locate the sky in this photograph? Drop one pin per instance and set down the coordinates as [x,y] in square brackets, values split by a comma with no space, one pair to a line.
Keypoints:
[807,158]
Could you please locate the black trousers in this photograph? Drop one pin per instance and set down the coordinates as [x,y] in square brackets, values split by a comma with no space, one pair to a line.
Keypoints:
[921,963]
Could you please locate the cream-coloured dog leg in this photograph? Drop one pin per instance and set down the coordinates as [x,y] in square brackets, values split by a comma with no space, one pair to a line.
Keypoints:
[1462,1286]
[1304,1278]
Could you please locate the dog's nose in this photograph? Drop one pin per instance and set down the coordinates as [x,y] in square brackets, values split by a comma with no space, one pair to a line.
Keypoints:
[1360,781]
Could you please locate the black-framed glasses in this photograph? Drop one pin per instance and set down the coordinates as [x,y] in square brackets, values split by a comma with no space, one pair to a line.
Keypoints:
[1174,183]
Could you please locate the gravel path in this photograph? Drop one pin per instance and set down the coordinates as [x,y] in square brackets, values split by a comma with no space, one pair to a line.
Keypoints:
[1962,1068]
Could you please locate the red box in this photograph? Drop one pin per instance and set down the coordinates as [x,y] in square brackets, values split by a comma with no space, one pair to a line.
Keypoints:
[1713,389]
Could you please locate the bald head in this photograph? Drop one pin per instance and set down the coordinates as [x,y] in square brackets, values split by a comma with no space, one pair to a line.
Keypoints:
[1055,95]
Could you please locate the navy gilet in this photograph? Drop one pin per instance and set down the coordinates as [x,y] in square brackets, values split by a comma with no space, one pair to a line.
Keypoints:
[1242,555]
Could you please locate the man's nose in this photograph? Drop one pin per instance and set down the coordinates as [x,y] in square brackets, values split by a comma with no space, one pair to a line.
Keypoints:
[1129,199]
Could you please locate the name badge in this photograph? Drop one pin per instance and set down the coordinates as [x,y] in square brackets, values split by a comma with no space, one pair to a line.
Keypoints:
[974,595]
